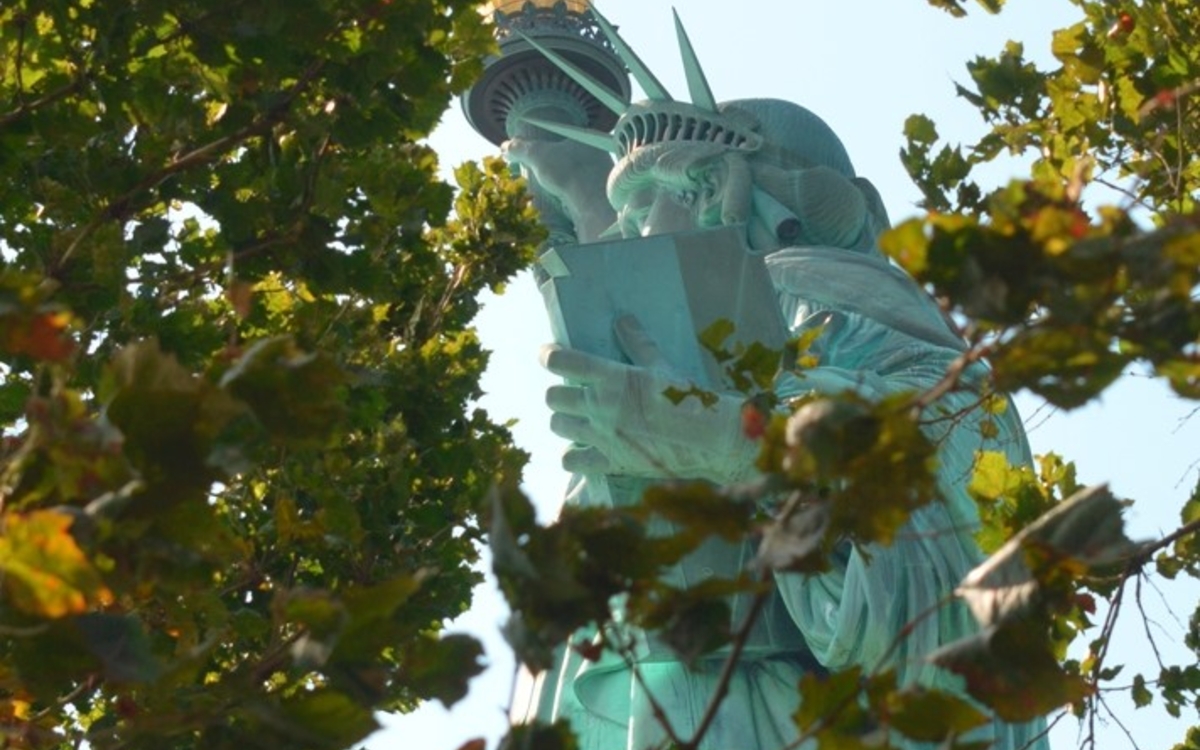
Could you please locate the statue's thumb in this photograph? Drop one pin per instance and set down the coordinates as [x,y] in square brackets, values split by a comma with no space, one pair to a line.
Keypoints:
[637,344]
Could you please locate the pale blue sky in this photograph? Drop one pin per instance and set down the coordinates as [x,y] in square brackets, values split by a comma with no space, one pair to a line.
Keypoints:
[864,66]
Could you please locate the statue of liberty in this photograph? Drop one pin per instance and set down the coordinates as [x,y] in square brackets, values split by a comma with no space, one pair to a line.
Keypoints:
[768,178]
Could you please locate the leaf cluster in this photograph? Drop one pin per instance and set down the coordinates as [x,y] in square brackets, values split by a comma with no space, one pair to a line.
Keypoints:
[241,469]
[1064,293]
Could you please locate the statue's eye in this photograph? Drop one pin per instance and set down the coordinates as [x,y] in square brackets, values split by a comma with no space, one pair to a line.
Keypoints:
[686,198]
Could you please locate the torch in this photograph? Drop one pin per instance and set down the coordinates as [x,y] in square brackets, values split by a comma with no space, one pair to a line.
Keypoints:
[522,82]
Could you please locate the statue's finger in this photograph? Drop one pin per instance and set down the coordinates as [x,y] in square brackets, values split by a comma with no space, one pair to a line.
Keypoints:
[586,459]
[567,399]
[577,366]
[575,429]
[637,343]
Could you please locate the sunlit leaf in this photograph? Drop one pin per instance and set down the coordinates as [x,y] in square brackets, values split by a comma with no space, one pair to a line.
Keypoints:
[45,573]
[1082,533]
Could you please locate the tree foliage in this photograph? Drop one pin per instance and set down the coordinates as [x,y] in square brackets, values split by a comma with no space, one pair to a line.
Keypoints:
[241,468]
[1070,278]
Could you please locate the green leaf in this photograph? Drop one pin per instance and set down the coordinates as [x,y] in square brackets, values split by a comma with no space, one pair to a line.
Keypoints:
[1191,741]
[714,336]
[994,477]
[953,7]
[169,417]
[908,244]
[920,129]
[831,703]
[701,509]
[1142,697]
[1085,532]
[932,715]
[325,719]
[14,394]
[677,395]
[540,736]
[372,623]
[871,461]
[691,622]
[442,668]
[294,394]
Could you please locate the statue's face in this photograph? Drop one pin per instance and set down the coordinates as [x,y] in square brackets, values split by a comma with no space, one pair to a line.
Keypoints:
[658,209]
[678,188]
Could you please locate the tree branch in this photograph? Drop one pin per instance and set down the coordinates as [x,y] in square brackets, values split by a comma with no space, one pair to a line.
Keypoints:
[119,206]
[727,670]
[1146,553]
[49,98]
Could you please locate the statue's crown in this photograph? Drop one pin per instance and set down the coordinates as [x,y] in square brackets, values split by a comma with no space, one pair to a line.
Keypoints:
[746,126]
[648,123]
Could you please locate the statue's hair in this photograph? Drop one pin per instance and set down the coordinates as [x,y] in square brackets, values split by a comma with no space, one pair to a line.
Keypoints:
[800,138]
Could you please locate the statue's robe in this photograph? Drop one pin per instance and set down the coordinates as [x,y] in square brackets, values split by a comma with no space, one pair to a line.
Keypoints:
[881,334]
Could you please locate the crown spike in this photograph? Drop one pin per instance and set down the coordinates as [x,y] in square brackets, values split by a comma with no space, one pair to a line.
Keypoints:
[593,87]
[698,88]
[645,78]
[594,138]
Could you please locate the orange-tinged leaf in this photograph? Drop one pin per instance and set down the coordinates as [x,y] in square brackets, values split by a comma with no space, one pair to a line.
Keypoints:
[42,337]
[45,572]
[14,709]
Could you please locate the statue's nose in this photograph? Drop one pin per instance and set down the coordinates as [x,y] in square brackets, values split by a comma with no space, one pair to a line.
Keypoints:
[667,215]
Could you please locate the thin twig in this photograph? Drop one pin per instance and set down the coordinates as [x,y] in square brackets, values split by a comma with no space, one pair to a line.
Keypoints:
[1131,195]
[660,713]
[950,380]
[730,667]
[1117,720]
[49,98]
[1106,632]
[23,632]
[1146,554]
[90,683]
[908,628]
[1146,622]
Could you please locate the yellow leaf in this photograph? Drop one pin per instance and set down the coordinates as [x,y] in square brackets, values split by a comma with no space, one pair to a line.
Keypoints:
[908,245]
[44,571]
[14,709]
